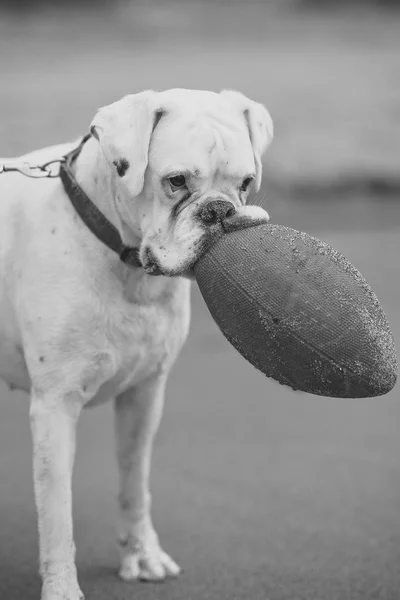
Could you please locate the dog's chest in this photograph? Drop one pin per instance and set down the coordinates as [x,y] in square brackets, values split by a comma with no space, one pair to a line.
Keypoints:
[143,338]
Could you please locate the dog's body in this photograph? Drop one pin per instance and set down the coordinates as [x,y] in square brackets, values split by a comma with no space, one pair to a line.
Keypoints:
[78,327]
[50,258]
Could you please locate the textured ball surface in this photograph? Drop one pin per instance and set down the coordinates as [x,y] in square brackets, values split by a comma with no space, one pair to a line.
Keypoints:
[299,312]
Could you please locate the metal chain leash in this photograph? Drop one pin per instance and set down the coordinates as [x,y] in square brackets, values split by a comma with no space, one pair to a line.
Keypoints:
[34,171]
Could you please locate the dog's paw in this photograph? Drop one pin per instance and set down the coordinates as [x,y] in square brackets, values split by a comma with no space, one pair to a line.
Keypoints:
[59,589]
[62,595]
[145,560]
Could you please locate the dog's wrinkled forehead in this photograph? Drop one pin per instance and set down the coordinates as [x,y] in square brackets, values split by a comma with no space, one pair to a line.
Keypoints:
[203,142]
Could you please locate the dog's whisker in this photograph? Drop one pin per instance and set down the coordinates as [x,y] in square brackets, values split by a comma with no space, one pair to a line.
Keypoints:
[258,199]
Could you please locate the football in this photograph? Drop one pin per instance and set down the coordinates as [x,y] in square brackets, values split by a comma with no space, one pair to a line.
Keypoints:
[298,311]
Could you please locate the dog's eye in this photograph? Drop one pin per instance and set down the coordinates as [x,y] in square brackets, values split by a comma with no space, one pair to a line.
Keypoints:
[178,181]
[245,184]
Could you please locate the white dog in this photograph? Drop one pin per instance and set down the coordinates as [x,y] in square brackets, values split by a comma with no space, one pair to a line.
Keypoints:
[79,327]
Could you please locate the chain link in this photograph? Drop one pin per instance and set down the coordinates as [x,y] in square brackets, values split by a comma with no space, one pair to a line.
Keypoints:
[34,171]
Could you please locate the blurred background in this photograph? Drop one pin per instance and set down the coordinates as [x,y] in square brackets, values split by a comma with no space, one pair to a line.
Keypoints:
[259,492]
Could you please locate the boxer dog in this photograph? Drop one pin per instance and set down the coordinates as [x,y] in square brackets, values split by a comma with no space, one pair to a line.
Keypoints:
[79,326]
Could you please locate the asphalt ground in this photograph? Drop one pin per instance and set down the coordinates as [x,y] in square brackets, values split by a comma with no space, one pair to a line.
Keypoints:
[259,492]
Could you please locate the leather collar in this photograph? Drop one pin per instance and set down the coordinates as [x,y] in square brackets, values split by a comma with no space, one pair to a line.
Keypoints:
[98,224]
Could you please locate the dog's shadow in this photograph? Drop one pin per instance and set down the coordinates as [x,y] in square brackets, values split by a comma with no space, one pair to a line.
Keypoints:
[19,579]
[97,554]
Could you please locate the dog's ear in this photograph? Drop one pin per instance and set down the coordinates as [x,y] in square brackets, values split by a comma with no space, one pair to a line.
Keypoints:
[259,123]
[124,131]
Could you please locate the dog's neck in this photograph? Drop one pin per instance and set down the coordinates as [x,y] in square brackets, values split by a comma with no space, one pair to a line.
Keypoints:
[98,181]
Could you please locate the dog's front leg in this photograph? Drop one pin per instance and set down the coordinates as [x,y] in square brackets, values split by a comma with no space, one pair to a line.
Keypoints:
[53,424]
[138,414]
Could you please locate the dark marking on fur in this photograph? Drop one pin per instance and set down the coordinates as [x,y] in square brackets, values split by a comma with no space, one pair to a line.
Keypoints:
[53,230]
[159,113]
[125,505]
[94,133]
[41,358]
[122,165]
[123,542]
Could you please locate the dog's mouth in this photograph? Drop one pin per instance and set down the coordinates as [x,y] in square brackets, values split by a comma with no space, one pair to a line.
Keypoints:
[152,265]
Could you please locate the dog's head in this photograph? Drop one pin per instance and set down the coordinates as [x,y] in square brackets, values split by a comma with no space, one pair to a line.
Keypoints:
[184,161]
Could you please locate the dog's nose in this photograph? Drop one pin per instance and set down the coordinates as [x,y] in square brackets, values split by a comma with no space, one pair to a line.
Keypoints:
[216,211]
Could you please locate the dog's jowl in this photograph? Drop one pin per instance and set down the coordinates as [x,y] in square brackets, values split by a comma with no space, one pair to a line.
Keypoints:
[95,270]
